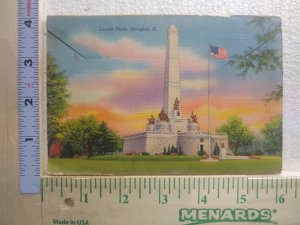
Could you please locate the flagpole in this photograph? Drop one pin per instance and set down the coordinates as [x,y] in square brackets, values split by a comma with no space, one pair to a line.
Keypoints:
[208,102]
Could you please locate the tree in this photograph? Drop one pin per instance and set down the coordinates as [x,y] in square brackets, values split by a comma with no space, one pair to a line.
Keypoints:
[57,95]
[109,141]
[117,140]
[217,150]
[173,149]
[238,133]
[201,152]
[261,58]
[272,131]
[179,152]
[165,151]
[81,135]
[169,150]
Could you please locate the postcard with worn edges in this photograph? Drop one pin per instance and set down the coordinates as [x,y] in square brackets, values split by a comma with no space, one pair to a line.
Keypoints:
[164,95]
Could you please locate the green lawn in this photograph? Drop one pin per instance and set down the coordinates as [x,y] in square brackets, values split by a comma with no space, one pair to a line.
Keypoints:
[163,165]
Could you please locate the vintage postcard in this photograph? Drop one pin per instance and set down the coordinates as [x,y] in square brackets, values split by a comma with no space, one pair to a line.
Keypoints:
[164,95]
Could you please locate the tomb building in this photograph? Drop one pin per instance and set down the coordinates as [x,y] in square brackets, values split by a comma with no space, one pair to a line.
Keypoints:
[171,128]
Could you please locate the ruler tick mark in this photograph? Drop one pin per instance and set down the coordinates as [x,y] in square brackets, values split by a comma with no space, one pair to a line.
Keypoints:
[267,188]
[80,190]
[159,192]
[198,190]
[179,188]
[174,183]
[120,187]
[227,185]
[91,185]
[286,185]
[61,187]
[134,183]
[218,187]
[194,181]
[257,183]
[276,196]
[296,188]
[237,190]
[140,189]
[100,187]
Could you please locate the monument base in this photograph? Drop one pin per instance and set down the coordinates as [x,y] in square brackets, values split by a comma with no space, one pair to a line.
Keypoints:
[232,157]
[209,160]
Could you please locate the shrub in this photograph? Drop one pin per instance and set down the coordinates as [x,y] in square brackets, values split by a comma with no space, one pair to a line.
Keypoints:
[259,152]
[173,149]
[217,150]
[179,152]
[165,151]
[201,152]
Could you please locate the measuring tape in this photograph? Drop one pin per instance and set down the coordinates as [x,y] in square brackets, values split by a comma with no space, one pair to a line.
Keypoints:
[28,64]
[170,200]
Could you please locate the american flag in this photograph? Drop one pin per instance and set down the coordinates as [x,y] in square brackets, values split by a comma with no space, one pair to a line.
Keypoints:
[218,53]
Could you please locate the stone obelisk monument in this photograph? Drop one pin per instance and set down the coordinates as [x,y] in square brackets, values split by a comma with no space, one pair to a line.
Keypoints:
[172,74]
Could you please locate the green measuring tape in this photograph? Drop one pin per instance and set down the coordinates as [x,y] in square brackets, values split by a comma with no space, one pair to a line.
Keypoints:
[170,200]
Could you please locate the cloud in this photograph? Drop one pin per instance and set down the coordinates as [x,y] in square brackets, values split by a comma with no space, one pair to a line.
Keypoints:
[130,50]
[127,90]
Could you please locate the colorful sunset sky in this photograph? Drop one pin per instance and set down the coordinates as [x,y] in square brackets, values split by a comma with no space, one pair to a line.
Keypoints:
[117,74]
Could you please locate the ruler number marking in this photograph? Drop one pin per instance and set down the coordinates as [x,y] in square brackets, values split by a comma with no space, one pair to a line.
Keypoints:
[28,23]
[125,199]
[281,199]
[164,199]
[28,62]
[204,199]
[28,101]
[243,199]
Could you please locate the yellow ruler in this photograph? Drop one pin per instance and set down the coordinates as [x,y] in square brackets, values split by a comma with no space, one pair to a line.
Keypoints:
[185,200]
